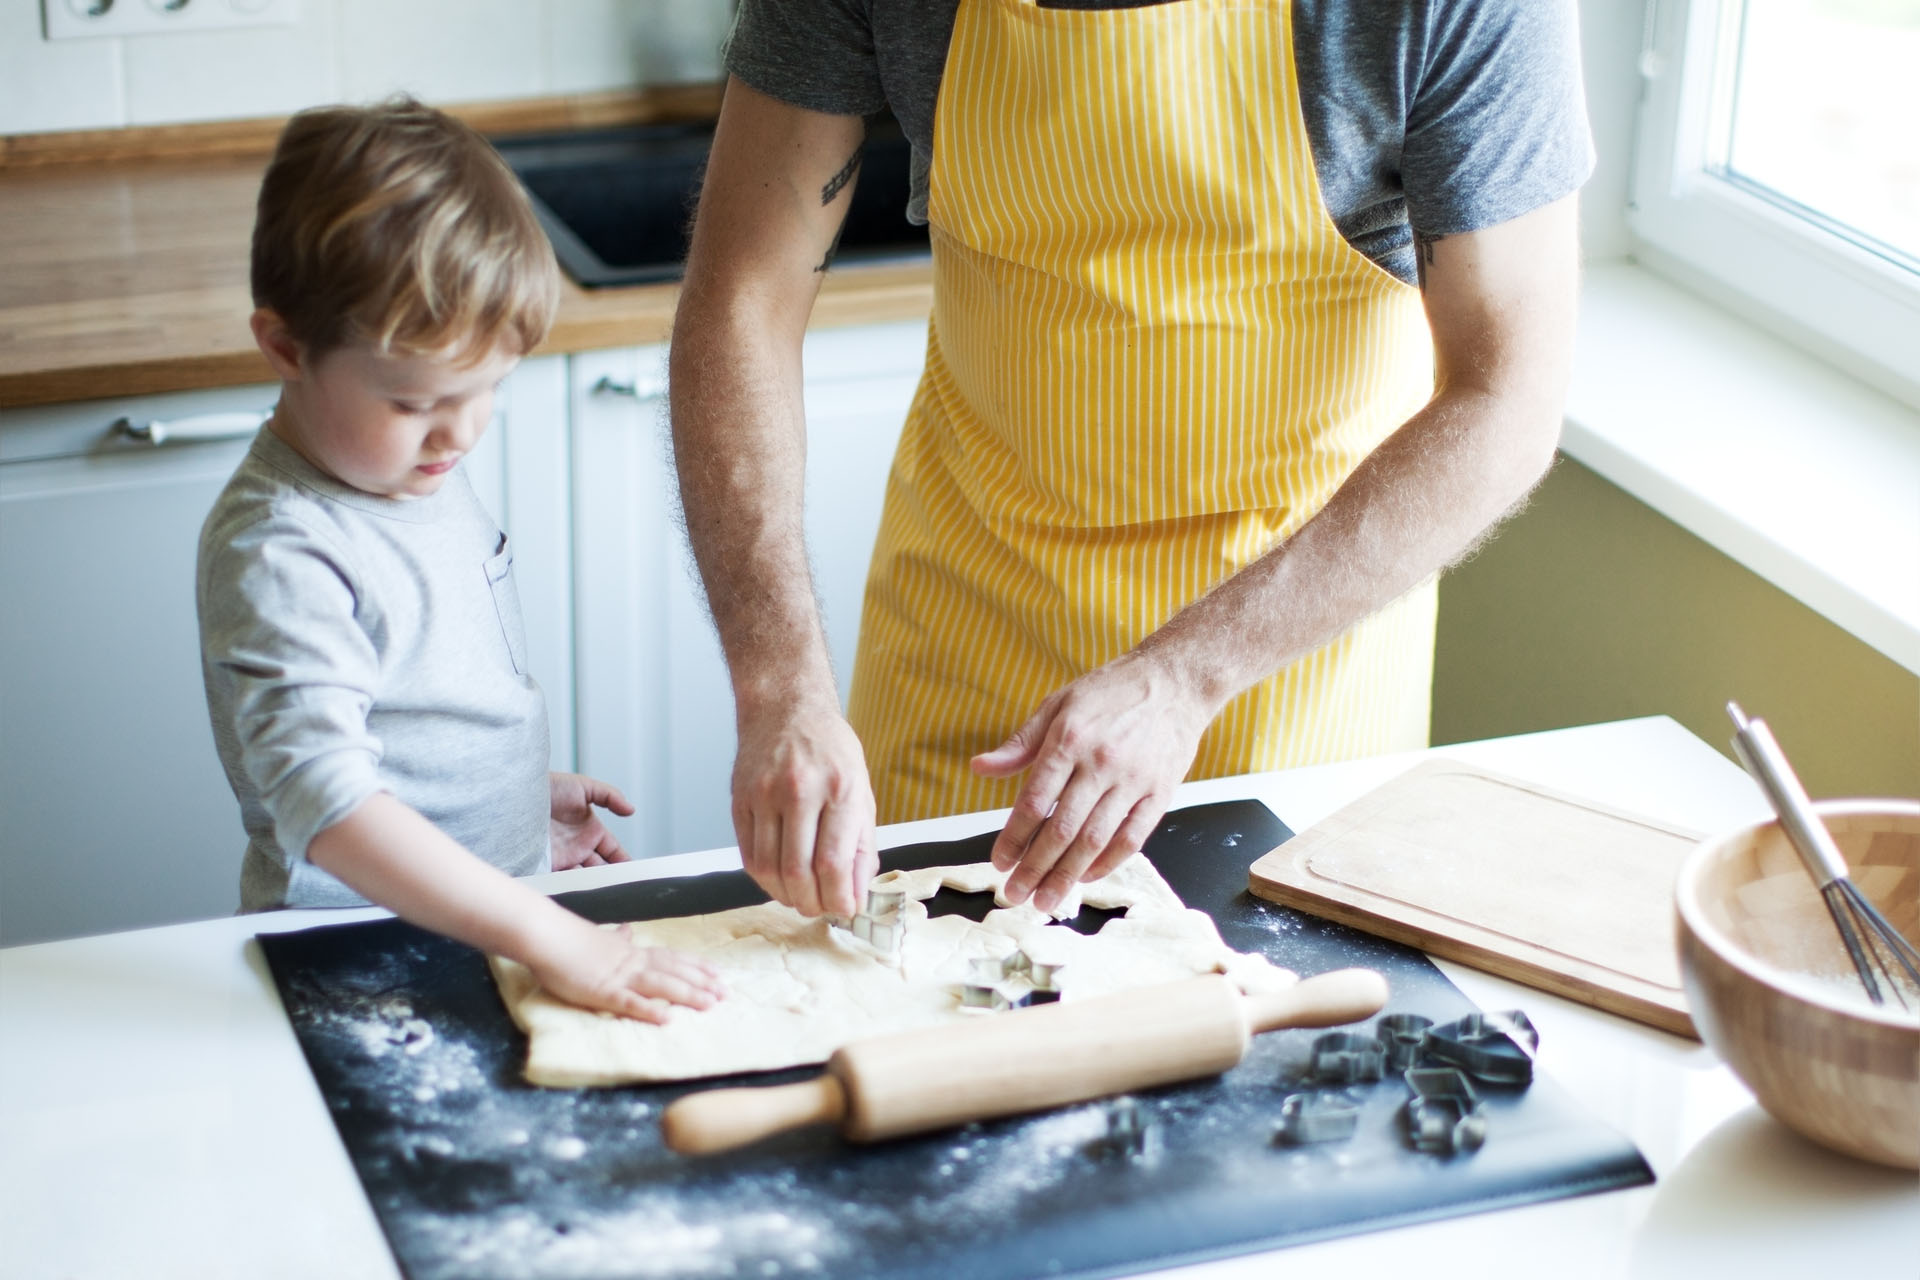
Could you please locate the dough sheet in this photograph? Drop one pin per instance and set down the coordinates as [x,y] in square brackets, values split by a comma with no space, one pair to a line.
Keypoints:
[798,989]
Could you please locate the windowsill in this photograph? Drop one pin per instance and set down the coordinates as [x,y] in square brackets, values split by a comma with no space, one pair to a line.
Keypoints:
[1805,476]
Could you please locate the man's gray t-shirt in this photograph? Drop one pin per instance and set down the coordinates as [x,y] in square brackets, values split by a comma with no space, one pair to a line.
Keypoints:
[353,644]
[1435,116]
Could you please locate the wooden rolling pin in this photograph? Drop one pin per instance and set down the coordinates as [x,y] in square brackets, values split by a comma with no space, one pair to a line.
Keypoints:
[1027,1060]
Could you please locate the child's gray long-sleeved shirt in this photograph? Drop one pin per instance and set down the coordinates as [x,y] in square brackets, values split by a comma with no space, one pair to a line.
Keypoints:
[353,644]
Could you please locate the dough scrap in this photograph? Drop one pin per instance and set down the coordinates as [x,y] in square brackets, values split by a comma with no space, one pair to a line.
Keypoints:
[798,989]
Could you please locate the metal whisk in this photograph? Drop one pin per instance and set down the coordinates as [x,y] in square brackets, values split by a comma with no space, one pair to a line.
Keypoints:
[1872,943]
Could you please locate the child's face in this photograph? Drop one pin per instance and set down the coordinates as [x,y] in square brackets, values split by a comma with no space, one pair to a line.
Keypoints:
[390,425]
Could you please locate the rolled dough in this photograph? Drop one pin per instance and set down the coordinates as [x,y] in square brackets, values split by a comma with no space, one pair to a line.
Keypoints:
[798,989]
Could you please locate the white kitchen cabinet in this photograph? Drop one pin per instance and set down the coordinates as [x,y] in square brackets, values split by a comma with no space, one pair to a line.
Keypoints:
[114,813]
[523,474]
[653,703]
[622,538]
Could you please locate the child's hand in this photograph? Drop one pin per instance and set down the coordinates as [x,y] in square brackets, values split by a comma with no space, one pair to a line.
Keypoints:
[580,839]
[604,969]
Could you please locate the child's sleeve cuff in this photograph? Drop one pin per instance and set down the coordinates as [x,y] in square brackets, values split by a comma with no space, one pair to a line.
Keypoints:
[320,793]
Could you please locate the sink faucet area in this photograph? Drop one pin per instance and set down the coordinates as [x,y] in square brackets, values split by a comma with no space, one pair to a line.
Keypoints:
[617,202]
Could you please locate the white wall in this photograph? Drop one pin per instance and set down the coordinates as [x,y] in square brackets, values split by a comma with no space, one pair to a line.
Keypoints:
[352,50]
[1610,42]
[474,50]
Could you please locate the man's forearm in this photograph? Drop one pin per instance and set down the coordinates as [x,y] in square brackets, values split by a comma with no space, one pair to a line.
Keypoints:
[1501,305]
[771,205]
[739,439]
[776,192]
[1418,503]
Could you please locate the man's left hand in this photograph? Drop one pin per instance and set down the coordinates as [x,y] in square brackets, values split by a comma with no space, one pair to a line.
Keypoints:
[1104,755]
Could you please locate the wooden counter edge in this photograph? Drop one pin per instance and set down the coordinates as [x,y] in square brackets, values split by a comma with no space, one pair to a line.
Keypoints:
[876,293]
[133,378]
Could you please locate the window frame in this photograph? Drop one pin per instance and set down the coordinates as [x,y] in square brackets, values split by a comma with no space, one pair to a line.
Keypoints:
[1711,233]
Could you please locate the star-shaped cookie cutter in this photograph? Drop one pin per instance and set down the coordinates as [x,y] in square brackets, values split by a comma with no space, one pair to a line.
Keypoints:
[1012,981]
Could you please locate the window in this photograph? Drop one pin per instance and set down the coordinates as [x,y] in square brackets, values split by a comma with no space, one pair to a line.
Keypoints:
[1778,168]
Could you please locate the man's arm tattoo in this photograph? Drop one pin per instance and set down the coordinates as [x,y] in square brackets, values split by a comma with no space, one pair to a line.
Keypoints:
[838,182]
[1423,256]
[835,185]
[832,249]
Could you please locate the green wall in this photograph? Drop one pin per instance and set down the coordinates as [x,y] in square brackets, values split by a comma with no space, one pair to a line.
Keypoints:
[1591,606]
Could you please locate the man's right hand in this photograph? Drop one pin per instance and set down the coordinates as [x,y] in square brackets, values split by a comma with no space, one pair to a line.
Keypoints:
[803,810]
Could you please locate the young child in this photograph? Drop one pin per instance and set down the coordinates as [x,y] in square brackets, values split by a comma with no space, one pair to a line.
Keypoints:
[360,634]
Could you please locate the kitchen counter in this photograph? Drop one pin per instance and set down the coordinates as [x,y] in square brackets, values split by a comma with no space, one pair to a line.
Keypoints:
[127,277]
[157,1117]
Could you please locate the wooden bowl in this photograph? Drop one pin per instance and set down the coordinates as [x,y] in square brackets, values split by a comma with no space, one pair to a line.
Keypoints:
[1773,993]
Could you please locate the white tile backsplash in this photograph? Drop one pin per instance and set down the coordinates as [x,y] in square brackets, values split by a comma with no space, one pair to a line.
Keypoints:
[45,86]
[601,44]
[220,75]
[683,42]
[353,50]
[590,44]
[441,50]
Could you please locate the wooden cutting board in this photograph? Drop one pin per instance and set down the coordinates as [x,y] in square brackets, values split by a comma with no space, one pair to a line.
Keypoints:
[1558,892]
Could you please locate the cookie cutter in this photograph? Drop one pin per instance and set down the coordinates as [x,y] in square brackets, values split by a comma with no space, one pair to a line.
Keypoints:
[1443,1116]
[982,989]
[886,902]
[1495,1048]
[1131,1133]
[1400,1036]
[1345,1057]
[1012,981]
[1041,976]
[882,922]
[1316,1117]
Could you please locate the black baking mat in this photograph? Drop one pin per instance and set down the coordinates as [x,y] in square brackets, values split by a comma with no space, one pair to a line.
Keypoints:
[474,1174]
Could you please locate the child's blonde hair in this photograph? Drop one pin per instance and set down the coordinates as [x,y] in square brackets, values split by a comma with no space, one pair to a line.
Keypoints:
[398,226]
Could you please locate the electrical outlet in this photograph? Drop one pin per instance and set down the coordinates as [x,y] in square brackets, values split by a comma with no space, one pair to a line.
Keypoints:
[74,19]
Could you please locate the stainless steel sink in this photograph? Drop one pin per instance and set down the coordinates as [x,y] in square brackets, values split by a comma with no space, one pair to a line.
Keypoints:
[617,202]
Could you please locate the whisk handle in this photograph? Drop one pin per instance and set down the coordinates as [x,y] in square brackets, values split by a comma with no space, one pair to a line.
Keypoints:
[1754,743]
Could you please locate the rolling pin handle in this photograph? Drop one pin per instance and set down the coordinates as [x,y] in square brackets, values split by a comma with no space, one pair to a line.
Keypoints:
[1324,1000]
[722,1119]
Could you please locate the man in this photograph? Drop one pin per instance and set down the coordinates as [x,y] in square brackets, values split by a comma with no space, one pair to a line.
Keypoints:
[1248,319]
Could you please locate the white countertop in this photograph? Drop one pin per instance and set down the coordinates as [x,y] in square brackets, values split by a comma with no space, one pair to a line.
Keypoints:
[157,1118]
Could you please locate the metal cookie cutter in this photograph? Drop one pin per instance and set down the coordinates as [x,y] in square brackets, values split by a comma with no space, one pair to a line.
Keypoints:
[982,989]
[1496,1048]
[1443,1115]
[1131,1133]
[1316,1117]
[1343,1057]
[1400,1035]
[1041,975]
[1012,981]
[882,922]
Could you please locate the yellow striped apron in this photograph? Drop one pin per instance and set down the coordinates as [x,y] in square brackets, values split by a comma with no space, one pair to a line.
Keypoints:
[1152,357]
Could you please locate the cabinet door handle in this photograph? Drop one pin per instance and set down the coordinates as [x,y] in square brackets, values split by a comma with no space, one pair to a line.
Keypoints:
[203,426]
[653,389]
